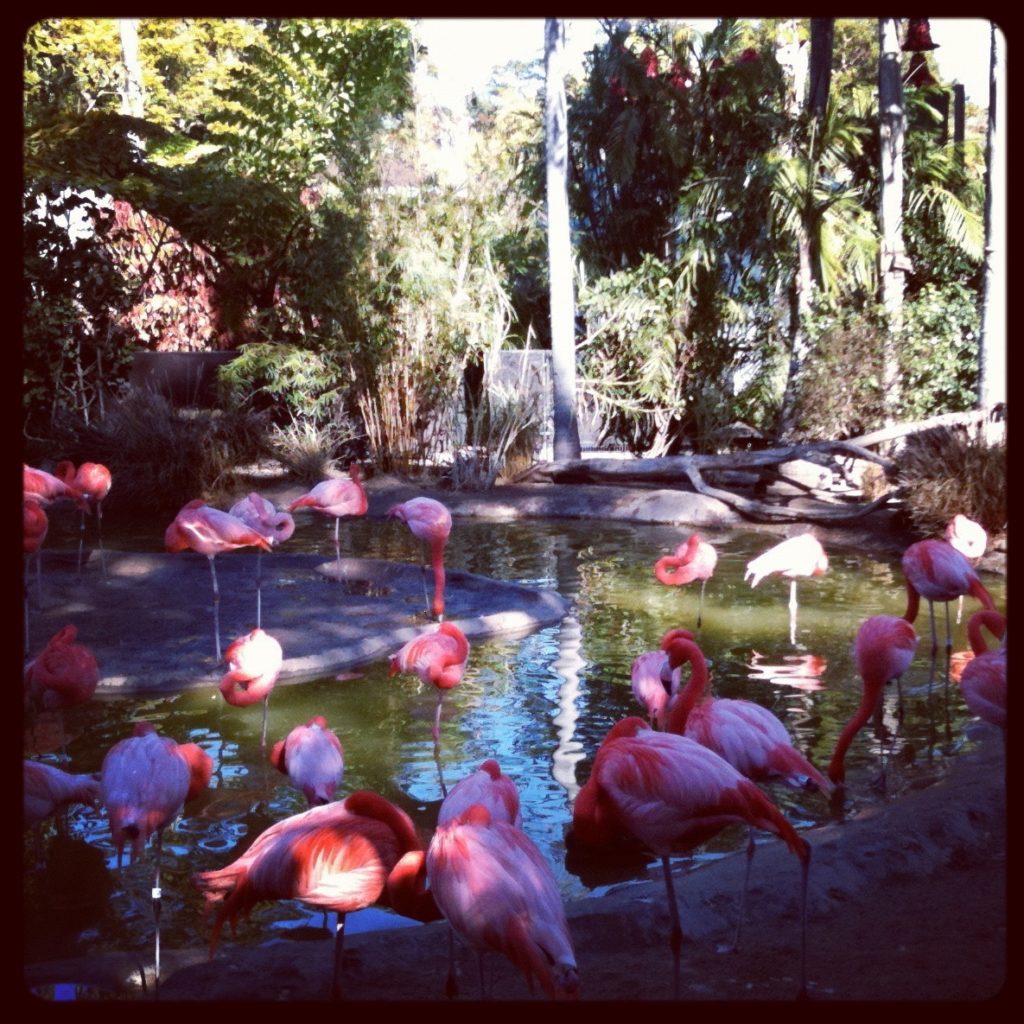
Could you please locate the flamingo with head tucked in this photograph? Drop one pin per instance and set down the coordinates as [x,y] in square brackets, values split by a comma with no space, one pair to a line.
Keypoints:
[211,532]
[254,663]
[431,523]
[336,498]
[438,658]
[144,783]
[256,511]
[673,794]
[312,757]
[63,675]
[694,560]
[341,856]
[498,893]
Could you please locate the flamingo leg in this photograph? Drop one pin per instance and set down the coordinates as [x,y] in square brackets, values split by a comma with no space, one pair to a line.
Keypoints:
[675,940]
[700,604]
[99,537]
[337,545]
[339,949]
[436,733]
[735,947]
[216,606]
[156,894]
[81,540]
[451,985]
[259,589]
[263,735]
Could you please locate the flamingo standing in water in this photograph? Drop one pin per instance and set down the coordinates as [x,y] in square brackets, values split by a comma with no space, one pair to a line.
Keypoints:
[94,481]
[694,560]
[438,658]
[341,856]
[211,532]
[937,571]
[498,893]
[983,681]
[336,497]
[431,522]
[673,794]
[312,757]
[883,650]
[797,556]
[144,783]
[741,732]
[489,787]
[254,663]
[48,488]
[254,510]
[63,675]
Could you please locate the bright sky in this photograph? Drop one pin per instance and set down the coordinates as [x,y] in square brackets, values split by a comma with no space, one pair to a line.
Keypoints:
[465,50]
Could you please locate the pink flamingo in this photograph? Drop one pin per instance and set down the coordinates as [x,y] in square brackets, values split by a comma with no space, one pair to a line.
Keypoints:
[983,681]
[63,675]
[431,522]
[673,794]
[741,732]
[254,663]
[47,790]
[438,658]
[49,488]
[254,510]
[336,497]
[936,571]
[694,560]
[341,857]
[145,781]
[653,684]
[496,792]
[94,481]
[883,650]
[313,758]
[797,556]
[487,786]
[211,532]
[498,893]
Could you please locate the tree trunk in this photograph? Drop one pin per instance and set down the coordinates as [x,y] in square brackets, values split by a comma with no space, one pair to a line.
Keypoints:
[992,347]
[822,40]
[893,261]
[563,306]
[131,90]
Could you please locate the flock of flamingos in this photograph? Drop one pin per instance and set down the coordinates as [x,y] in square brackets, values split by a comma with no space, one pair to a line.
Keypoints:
[668,782]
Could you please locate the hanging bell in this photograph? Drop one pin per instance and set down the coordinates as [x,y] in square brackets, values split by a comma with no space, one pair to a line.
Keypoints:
[919,37]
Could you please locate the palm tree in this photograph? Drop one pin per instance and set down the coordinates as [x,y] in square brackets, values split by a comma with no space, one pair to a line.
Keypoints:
[563,307]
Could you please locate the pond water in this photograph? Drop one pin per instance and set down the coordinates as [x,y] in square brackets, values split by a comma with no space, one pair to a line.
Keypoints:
[540,705]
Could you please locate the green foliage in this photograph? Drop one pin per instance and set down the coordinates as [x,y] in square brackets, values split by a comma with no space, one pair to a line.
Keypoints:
[945,471]
[286,382]
[938,351]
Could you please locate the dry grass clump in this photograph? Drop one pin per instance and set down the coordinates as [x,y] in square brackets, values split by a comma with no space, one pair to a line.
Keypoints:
[944,471]
[309,450]
[161,457]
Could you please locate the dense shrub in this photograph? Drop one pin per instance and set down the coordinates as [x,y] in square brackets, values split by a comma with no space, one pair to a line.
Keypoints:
[944,471]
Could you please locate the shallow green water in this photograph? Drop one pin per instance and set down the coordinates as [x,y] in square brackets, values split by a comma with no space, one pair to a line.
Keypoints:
[540,705]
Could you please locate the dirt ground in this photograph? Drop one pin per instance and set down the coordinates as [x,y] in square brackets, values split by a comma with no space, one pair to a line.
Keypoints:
[908,903]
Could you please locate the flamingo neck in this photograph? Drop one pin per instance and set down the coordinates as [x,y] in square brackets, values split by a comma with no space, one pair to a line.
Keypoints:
[679,653]
[407,891]
[437,560]
[993,621]
[837,767]
[913,603]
